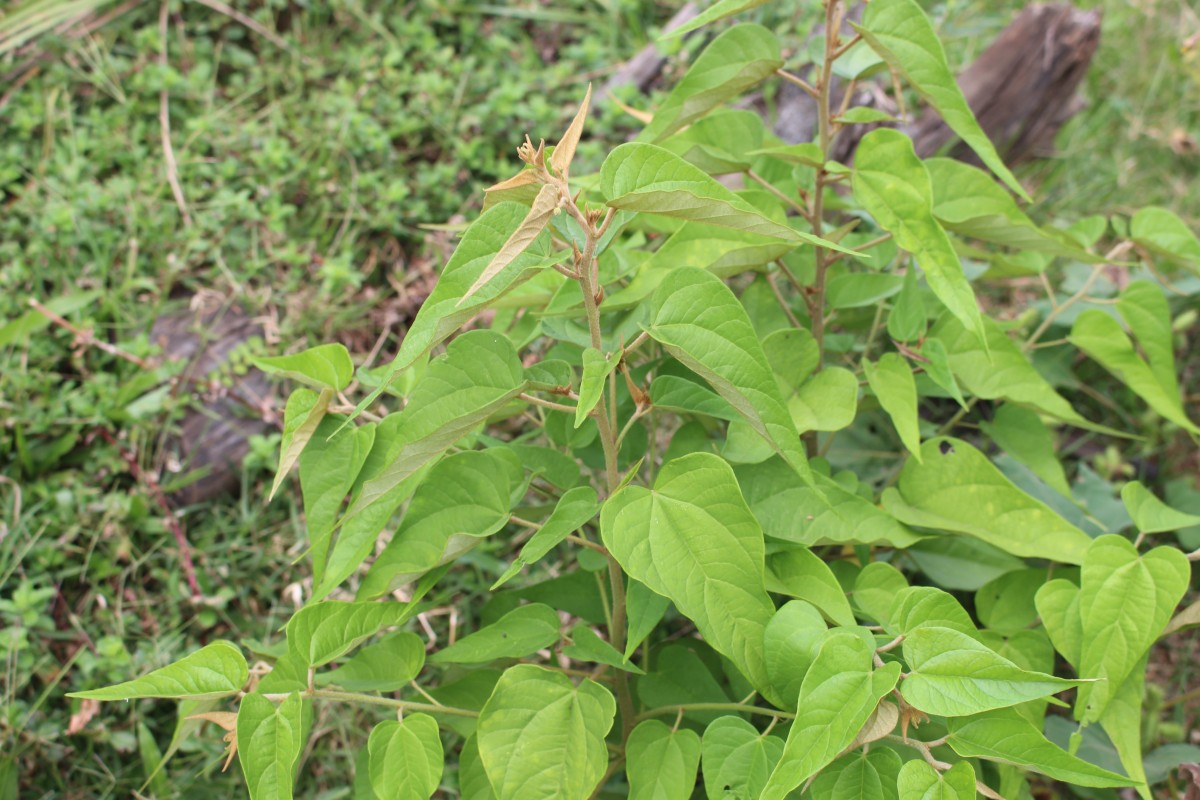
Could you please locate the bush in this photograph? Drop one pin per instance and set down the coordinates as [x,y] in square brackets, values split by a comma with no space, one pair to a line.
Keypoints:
[712,429]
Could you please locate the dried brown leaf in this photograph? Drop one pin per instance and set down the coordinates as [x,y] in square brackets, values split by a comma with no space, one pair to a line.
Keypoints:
[80,719]
[544,206]
[564,153]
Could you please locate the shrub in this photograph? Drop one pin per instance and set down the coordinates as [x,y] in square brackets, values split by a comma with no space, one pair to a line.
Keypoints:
[737,486]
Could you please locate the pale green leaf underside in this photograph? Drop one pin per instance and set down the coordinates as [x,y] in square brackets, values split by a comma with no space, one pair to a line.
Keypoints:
[326,366]
[215,670]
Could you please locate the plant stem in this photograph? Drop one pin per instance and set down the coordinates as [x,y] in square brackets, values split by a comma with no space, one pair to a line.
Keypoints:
[375,700]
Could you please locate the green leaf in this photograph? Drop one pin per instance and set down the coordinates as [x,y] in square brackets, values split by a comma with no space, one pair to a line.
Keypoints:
[736,759]
[894,187]
[385,666]
[1006,604]
[860,776]
[937,367]
[790,645]
[673,393]
[326,366]
[1057,603]
[329,468]
[442,314]
[1152,515]
[906,320]
[596,369]
[859,289]
[967,201]
[465,497]
[717,11]
[544,207]
[645,610]
[646,178]
[680,675]
[1006,737]
[826,402]
[737,60]
[1125,602]
[793,355]
[406,758]
[524,630]
[719,143]
[875,590]
[479,374]
[826,513]
[899,31]
[953,675]
[892,381]
[839,694]
[956,488]
[693,539]
[269,741]
[321,632]
[1101,337]
[807,154]
[574,509]
[802,574]
[542,736]
[586,645]
[662,763]
[1023,435]
[1122,720]
[914,607]
[1145,310]
[33,321]
[863,115]
[215,670]
[473,782]
[700,322]
[1162,231]
[919,781]
[1008,375]
[301,416]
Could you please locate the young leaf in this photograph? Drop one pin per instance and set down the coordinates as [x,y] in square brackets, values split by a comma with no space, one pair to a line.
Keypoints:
[321,632]
[441,314]
[1125,602]
[215,670]
[1057,603]
[1100,337]
[269,741]
[717,11]
[956,488]
[906,320]
[899,31]
[914,607]
[892,381]
[465,497]
[524,630]
[385,666]
[698,320]
[737,60]
[662,763]
[541,736]
[839,693]
[479,374]
[564,151]
[825,402]
[301,416]
[586,645]
[736,759]
[967,201]
[953,675]
[802,574]
[575,508]
[1006,737]
[1144,308]
[876,588]
[860,776]
[894,187]
[596,369]
[650,179]
[405,758]
[790,645]
[693,539]
[545,206]
[937,365]
[1152,515]
[919,781]
[326,366]
[1162,231]
[329,467]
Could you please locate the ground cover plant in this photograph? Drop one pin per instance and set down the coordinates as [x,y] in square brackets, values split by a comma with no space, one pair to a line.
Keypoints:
[740,419]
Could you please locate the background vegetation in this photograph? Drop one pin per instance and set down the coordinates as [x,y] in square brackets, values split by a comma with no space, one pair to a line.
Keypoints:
[314,146]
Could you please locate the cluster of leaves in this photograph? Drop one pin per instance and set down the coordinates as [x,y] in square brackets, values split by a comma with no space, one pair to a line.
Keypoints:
[739,611]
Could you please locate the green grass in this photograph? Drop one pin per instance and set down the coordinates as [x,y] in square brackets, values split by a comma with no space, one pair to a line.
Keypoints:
[307,173]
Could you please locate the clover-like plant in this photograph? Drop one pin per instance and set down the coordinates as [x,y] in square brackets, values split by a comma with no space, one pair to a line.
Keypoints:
[727,417]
